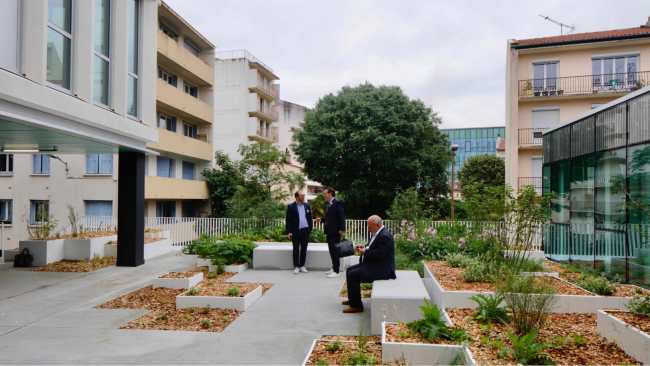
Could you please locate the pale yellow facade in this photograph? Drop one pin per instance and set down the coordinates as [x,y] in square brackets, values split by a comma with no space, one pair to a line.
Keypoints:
[572,89]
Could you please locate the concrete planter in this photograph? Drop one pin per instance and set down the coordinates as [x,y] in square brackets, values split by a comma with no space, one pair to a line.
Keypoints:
[203,262]
[309,352]
[424,353]
[85,249]
[236,268]
[178,283]
[240,303]
[631,340]
[151,250]
[44,251]
[280,256]
[535,255]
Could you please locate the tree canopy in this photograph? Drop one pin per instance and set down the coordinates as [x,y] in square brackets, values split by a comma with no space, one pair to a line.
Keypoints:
[485,170]
[371,142]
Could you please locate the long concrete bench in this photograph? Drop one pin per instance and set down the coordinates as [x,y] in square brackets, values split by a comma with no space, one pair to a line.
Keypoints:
[280,256]
[397,300]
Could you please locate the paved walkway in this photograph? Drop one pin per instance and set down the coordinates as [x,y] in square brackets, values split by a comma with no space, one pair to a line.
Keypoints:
[50,318]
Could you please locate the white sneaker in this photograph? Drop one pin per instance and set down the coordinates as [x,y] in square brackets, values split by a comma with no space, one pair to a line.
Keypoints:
[296,270]
[329,272]
[303,269]
[333,275]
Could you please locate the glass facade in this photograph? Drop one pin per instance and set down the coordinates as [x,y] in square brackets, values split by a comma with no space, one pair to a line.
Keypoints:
[597,170]
[473,141]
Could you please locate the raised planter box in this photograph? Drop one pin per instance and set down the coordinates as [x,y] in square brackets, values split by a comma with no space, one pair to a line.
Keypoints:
[151,250]
[203,262]
[447,299]
[235,268]
[43,251]
[424,353]
[397,300]
[240,303]
[85,249]
[178,283]
[630,339]
[280,256]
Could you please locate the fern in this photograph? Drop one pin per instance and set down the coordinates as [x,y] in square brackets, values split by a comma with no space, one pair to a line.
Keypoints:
[489,309]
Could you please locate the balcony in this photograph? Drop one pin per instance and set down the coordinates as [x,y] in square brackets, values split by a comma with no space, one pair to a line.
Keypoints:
[183,104]
[530,137]
[176,143]
[535,182]
[604,85]
[269,94]
[269,115]
[160,188]
[185,60]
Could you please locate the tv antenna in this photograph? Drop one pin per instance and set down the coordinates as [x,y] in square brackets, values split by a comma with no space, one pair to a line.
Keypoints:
[571,28]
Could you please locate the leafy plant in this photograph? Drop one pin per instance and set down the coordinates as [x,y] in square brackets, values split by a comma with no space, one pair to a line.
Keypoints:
[640,305]
[366,286]
[191,248]
[192,292]
[459,260]
[233,291]
[528,265]
[206,323]
[477,272]
[597,284]
[360,359]
[232,252]
[528,299]
[489,309]
[212,275]
[433,326]
[318,236]
[527,351]
[334,346]
[321,362]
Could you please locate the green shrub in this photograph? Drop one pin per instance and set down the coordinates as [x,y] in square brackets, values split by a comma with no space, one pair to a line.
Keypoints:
[360,359]
[477,272]
[458,260]
[529,265]
[192,292]
[528,299]
[334,346]
[212,274]
[274,233]
[233,291]
[206,323]
[489,309]
[321,362]
[191,248]
[433,326]
[526,350]
[233,251]
[484,247]
[318,236]
[640,305]
[596,284]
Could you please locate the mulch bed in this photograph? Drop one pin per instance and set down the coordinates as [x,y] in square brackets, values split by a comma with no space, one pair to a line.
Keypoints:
[641,322]
[400,332]
[89,235]
[186,274]
[146,241]
[78,266]
[630,291]
[622,290]
[349,346]
[574,339]
[214,287]
[366,290]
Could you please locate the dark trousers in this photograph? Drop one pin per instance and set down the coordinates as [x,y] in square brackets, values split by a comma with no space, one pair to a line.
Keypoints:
[353,280]
[300,242]
[332,240]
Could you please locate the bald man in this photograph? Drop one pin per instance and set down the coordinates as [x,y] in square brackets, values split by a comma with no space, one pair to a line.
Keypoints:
[377,262]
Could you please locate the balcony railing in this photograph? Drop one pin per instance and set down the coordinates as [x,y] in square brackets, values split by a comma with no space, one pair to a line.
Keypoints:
[535,182]
[585,84]
[531,136]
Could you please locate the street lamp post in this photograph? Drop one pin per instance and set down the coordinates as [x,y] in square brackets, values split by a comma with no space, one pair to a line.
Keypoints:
[454,148]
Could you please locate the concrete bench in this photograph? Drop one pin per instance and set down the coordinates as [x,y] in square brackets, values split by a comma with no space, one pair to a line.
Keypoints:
[397,300]
[280,256]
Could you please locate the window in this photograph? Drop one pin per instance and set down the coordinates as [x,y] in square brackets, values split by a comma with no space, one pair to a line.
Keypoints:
[167,77]
[188,170]
[544,119]
[192,47]
[99,164]
[168,30]
[190,130]
[167,122]
[41,164]
[189,209]
[133,49]
[609,189]
[165,167]
[166,209]
[5,211]
[9,28]
[101,51]
[614,73]
[59,39]
[99,208]
[545,76]
[191,90]
[39,211]
[6,164]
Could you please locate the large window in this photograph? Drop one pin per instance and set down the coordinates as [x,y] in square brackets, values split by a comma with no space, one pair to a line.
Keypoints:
[167,77]
[616,72]
[190,130]
[99,164]
[39,211]
[5,211]
[191,89]
[166,208]
[41,164]
[6,164]
[133,29]
[98,208]
[610,190]
[545,76]
[639,184]
[165,167]
[101,51]
[189,170]
[167,122]
[59,40]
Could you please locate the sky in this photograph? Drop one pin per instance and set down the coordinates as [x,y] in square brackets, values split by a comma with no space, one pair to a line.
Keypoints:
[449,54]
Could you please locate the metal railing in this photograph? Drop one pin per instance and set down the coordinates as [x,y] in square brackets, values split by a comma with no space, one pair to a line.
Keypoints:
[535,182]
[584,84]
[531,136]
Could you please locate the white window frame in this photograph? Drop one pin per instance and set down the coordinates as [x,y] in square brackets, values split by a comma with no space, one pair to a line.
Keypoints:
[130,74]
[187,87]
[190,127]
[167,77]
[7,172]
[49,165]
[106,58]
[64,33]
[613,57]
[545,63]
[99,159]
[8,218]
[34,221]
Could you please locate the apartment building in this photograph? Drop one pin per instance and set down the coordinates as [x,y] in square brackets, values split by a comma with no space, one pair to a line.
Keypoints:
[553,80]
[75,92]
[184,105]
[244,102]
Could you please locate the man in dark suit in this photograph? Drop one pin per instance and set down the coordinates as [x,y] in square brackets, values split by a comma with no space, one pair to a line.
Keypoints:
[334,228]
[377,262]
[298,226]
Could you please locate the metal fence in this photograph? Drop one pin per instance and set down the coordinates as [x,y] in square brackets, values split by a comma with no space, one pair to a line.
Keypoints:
[584,84]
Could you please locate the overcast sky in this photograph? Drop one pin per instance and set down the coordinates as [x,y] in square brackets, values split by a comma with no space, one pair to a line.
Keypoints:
[450,54]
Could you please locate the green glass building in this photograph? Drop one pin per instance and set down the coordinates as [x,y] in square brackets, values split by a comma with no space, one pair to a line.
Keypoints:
[473,141]
[597,169]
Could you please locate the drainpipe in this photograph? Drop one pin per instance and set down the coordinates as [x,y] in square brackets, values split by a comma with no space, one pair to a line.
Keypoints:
[2,243]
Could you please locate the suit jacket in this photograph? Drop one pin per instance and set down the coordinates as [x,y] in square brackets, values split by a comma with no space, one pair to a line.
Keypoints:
[334,219]
[378,261]
[292,220]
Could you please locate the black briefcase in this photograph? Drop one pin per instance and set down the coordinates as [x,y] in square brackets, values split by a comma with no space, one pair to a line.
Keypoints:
[345,248]
[23,259]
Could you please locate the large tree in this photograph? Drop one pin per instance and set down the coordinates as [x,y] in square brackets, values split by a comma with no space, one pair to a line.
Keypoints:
[482,170]
[370,143]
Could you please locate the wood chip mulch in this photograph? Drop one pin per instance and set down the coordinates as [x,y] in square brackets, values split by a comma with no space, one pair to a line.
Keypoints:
[400,332]
[622,290]
[641,322]
[89,234]
[451,279]
[78,266]
[186,274]
[146,241]
[366,291]
[349,346]
[574,339]
[630,291]
[216,287]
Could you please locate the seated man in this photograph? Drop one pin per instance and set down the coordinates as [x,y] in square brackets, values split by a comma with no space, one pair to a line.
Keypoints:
[377,262]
